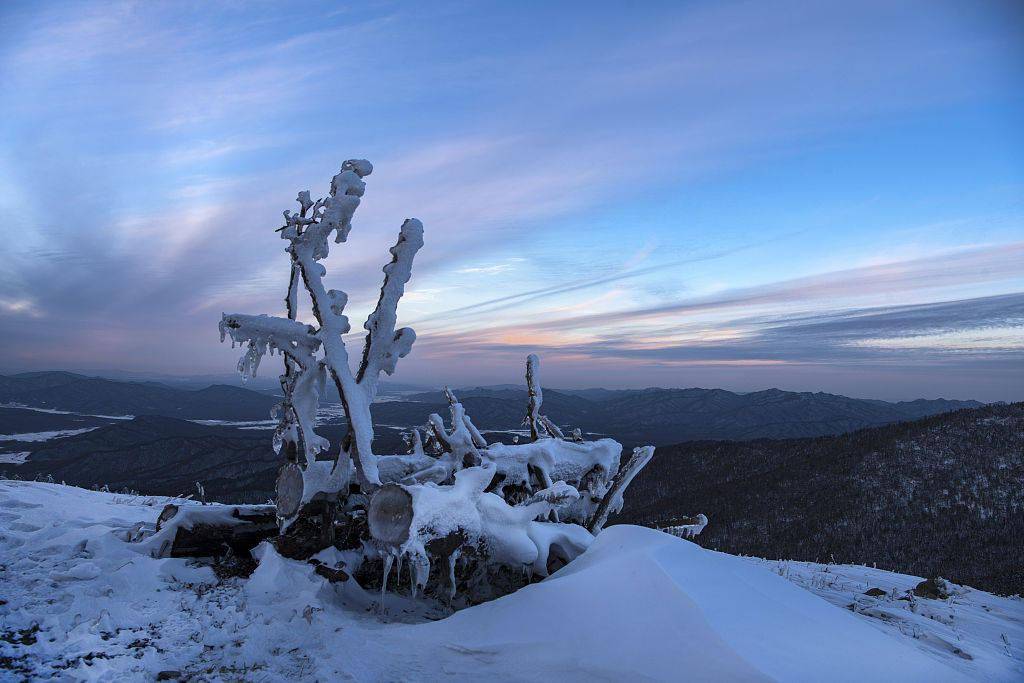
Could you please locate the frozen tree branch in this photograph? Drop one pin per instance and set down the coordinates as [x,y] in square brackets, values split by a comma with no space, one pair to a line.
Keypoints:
[612,501]
[689,528]
[464,440]
[536,396]
[308,233]
[539,424]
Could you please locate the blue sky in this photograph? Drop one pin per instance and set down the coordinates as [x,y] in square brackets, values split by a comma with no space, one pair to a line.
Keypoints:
[814,196]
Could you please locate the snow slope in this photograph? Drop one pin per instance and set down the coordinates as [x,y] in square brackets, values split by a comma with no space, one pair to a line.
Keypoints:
[78,602]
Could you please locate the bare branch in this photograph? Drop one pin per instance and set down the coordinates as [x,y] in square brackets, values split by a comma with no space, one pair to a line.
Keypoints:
[536,396]
[612,501]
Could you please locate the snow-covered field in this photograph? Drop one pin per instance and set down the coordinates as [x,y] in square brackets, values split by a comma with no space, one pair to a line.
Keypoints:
[77,601]
[44,436]
[14,458]
[54,411]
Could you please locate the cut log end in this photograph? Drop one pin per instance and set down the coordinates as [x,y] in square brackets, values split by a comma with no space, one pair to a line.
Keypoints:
[289,490]
[205,532]
[390,515]
[166,515]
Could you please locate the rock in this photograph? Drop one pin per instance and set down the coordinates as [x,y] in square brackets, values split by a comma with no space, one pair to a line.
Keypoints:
[168,676]
[875,592]
[332,574]
[935,589]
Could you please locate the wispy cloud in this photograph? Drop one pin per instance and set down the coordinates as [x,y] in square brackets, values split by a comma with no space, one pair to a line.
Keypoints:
[908,335]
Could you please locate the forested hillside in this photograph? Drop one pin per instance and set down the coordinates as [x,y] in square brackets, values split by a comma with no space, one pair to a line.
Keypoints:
[940,496]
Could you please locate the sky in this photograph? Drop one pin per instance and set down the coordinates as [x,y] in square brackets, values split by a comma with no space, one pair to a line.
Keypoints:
[810,196]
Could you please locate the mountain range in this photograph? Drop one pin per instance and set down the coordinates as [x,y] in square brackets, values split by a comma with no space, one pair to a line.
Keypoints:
[661,416]
[658,416]
[100,396]
[158,455]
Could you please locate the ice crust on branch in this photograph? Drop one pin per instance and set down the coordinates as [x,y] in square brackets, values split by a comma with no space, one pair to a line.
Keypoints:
[612,500]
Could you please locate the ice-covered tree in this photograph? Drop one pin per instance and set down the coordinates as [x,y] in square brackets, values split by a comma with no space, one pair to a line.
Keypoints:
[314,352]
[485,514]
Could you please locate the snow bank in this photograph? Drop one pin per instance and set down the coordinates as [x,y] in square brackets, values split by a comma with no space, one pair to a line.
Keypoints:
[644,605]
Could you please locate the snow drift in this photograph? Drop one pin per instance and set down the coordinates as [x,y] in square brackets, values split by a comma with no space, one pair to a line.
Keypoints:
[640,604]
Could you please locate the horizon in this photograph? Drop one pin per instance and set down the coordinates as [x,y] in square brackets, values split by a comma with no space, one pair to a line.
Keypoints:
[717,195]
[269,379]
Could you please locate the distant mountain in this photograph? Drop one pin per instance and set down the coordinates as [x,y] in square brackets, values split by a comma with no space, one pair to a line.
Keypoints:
[158,455]
[99,396]
[490,408]
[943,495]
[672,415]
[162,456]
[647,415]
[23,420]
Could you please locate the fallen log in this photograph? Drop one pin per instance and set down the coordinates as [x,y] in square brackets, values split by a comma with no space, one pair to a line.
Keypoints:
[425,523]
[211,530]
[686,527]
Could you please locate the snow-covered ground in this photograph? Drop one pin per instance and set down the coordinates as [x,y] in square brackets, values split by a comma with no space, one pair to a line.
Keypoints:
[45,436]
[985,632]
[54,411]
[77,601]
[325,413]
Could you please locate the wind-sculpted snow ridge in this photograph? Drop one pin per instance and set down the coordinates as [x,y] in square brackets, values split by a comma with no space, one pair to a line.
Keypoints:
[81,601]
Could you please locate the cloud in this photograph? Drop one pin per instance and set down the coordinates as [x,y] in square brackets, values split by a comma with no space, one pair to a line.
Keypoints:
[148,150]
[837,337]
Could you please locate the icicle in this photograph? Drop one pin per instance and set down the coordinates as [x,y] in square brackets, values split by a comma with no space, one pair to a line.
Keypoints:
[451,574]
[398,572]
[420,570]
[388,561]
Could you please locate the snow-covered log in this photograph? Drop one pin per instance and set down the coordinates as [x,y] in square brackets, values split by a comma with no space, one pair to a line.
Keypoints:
[688,528]
[521,470]
[210,530]
[421,521]
[586,466]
